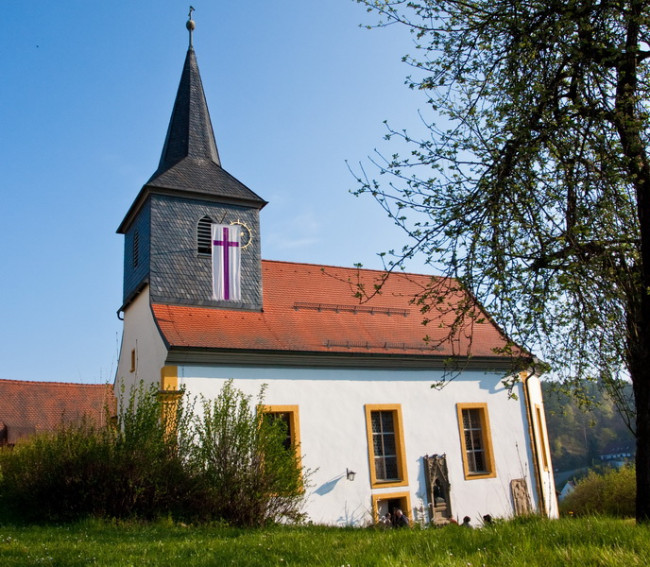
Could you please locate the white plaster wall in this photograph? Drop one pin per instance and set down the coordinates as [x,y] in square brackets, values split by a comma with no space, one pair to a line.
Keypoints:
[333,432]
[140,333]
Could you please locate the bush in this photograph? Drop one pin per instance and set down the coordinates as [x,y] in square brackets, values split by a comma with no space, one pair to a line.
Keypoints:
[611,493]
[147,470]
[243,464]
[82,470]
[54,477]
[224,465]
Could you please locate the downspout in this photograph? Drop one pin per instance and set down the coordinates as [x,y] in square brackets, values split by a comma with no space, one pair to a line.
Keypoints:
[533,442]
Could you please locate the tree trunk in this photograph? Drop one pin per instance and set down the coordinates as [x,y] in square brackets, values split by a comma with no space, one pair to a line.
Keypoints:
[639,359]
[642,398]
[630,128]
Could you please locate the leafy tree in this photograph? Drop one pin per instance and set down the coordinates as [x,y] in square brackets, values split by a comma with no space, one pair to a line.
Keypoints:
[580,433]
[531,184]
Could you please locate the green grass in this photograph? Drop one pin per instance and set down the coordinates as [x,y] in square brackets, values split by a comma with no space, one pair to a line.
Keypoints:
[580,542]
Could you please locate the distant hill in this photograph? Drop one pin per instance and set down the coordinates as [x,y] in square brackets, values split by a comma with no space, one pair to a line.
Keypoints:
[583,429]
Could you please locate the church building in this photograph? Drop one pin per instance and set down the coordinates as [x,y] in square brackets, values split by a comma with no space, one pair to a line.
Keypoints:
[343,352]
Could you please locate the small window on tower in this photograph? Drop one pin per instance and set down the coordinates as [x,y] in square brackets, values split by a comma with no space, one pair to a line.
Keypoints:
[203,236]
[136,248]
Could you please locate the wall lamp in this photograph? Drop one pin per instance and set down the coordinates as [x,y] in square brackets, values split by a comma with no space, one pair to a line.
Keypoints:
[350,474]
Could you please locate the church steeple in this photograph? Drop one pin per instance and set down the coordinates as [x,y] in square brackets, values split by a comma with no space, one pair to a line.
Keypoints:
[167,228]
[190,133]
[190,160]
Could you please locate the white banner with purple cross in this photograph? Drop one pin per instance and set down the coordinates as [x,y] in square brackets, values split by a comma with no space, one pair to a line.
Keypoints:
[226,262]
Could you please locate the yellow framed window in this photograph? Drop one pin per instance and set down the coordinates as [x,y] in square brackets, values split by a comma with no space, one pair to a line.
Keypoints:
[476,441]
[386,503]
[386,445]
[541,428]
[290,417]
[170,396]
[288,414]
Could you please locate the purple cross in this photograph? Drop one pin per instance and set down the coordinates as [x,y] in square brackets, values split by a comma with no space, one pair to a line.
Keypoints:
[227,244]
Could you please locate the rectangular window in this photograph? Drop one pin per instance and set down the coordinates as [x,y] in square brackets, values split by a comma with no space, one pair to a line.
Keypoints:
[541,428]
[475,440]
[386,445]
[289,416]
[384,503]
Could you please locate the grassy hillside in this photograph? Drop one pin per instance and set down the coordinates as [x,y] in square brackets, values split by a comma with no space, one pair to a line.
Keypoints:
[581,428]
[530,542]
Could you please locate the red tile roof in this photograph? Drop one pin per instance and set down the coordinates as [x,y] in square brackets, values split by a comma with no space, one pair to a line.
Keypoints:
[313,308]
[32,407]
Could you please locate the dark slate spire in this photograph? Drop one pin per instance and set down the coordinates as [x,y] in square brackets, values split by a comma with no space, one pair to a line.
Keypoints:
[190,131]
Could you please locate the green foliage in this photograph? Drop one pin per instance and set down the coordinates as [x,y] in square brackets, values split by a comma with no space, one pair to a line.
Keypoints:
[611,493]
[148,474]
[251,478]
[56,476]
[534,543]
[523,185]
[580,429]
[530,184]
[84,470]
[225,465]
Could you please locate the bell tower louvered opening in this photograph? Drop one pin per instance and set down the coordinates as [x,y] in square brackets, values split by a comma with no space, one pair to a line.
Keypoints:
[135,256]
[203,236]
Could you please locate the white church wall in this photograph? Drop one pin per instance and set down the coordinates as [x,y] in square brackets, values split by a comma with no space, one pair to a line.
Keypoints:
[142,353]
[332,427]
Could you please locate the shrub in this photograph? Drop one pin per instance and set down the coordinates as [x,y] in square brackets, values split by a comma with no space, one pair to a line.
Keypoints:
[150,479]
[611,493]
[82,470]
[227,464]
[242,462]
[54,476]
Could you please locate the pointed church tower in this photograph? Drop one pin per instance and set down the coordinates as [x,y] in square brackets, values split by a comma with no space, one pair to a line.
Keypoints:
[168,228]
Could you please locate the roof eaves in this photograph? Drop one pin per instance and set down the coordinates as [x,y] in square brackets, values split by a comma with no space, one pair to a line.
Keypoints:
[252,357]
[149,190]
[132,296]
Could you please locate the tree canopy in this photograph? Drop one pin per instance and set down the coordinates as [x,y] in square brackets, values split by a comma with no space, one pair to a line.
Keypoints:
[579,435]
[531,185]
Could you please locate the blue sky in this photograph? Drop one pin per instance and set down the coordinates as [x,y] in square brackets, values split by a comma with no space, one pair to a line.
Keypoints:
[295,88]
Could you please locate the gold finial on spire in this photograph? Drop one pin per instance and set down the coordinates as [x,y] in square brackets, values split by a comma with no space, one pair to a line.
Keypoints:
[190,25]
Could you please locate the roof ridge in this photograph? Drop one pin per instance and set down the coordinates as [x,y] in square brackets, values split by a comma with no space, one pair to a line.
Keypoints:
[355,268]
[52,382]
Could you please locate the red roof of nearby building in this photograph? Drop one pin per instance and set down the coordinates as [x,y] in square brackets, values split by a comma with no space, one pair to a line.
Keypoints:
[313,308]
[32,407]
